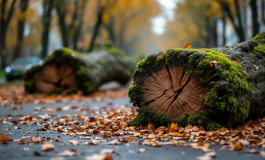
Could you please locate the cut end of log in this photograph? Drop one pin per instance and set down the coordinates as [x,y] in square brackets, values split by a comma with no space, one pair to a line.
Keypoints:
[197,83]
[173,96]
[56,77]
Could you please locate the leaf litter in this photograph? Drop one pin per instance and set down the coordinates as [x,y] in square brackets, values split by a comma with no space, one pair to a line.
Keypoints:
[108,125]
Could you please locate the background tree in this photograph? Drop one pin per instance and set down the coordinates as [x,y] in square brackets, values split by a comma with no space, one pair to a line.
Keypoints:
[70,17]
[101,6]
[254,11]
[23,6]
[46,22]
[235,20]
[124,21]
[5,18]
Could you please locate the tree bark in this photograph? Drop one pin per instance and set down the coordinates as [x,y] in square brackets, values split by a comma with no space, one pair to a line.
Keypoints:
[210,87]
[20,30]
[255,23]
[46,22]
[66,71]
[4,22]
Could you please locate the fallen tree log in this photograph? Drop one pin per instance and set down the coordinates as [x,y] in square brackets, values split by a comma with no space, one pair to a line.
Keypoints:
[66,71]
[216,87]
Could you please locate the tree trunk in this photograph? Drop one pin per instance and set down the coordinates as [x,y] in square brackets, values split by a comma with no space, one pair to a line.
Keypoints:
[46,22]
[78,28]
[214,32]
[96,28]
[208,28]
[209,87]
[20,30]
[4,22]
[62,24]
[237,27]
[263,11]
[66,71]
[110,29]
[240,24]
[224,29]
[254,10]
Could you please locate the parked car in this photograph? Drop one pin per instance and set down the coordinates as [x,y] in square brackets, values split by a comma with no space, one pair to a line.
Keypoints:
[18,67]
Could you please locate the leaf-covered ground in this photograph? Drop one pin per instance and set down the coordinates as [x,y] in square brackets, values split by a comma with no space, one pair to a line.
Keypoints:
[95,127]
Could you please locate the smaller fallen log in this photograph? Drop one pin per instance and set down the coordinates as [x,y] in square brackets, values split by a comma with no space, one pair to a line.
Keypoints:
[67,71]
[216,87]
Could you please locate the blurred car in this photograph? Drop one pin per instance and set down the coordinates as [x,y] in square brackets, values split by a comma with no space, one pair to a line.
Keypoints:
[18,67]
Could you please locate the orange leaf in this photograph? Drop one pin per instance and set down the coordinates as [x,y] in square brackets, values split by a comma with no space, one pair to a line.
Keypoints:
[238,146]
[237,61]
[187,45]
[107,135]
[162,53]
[4,139]
[177,134]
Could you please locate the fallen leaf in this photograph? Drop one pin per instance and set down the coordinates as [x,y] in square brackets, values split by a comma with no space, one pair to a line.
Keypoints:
[162,53]
[151,142]
[213,63]
[107,135]
[187,45]
[60,130]
[238,146]
[4,139]
[99,157]
[142,150]
[46,146]
[114,142]
[73,142]
[35,139]
[68,153]
[105,151]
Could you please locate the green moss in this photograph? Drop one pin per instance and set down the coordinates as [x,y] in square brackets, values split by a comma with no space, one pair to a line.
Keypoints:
[141,64]
[29,86]
[260,48]
[56,91]
[146,115]
[259,38]
[198,119]
[108,46]
[100,63]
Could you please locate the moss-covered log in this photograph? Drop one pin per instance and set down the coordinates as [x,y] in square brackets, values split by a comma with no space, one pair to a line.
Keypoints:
[66,71]
[216,87]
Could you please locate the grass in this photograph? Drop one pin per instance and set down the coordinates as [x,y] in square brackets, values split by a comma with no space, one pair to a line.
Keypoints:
[2,73]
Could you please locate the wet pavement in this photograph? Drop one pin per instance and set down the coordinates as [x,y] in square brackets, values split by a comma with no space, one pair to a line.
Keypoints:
[123,151]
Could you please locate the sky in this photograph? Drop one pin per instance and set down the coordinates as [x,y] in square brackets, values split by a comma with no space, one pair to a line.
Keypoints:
[160,21]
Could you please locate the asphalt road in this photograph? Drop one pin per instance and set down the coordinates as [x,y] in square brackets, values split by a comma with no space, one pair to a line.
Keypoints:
[128,151]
